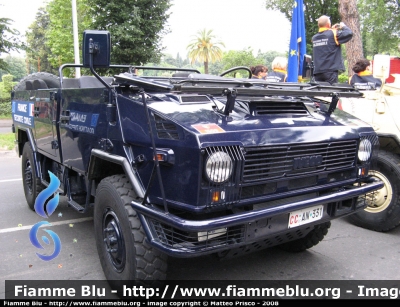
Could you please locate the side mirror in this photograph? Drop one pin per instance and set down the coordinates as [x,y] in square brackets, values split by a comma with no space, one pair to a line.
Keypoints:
[96,48]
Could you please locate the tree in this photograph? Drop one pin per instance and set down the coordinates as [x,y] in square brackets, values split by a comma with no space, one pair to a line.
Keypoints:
[354,51]
[136,28]
[312,10]
[269,56]
[16,66]
[177,62]
[244,57]
[378,21]
[7,85]
[9,40]
[380,29]
[215,68]
[59,34]
[338,10]
[205,49]
[180,62]
[234,58]
[38,51]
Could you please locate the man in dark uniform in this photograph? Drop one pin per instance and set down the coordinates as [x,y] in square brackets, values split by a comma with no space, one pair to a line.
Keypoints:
[363,78]
[279,70]
[327,53]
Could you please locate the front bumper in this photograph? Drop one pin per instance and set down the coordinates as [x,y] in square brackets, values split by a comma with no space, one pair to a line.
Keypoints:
[178,237]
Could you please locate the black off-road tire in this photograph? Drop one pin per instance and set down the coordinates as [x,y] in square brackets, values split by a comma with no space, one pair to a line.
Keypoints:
[383,206]
[32,185]
[123,251]
[51,80]
[311,239]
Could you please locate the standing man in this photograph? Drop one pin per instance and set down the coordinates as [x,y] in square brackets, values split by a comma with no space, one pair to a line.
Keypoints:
[327,53]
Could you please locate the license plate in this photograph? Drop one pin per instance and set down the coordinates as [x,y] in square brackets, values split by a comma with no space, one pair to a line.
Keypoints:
[305,216]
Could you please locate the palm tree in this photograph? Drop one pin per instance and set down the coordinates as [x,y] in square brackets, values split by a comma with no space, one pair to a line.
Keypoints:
[203,48]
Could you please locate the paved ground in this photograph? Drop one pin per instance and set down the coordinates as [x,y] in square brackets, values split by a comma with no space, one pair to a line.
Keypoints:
[5,123]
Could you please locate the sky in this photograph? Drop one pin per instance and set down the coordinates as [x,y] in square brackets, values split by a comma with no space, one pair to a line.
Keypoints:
[239,24]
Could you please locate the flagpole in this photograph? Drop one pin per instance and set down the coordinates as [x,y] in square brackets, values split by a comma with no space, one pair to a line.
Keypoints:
[76,43]
[297,47]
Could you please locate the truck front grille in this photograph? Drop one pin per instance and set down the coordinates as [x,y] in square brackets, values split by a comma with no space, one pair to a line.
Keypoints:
[267,163]
[236,238]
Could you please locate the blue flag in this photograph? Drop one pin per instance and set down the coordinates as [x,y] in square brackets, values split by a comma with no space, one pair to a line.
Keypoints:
[297,48]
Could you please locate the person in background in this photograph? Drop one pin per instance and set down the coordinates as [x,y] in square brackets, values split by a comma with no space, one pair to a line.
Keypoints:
[259,71]
[279,70]
[363,78]
[327,53]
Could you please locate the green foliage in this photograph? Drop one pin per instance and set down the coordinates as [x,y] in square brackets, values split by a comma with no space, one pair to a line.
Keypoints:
[5,106]
[379,20]
[205,48]
[313,9]
[5,95]
[239,58]
[343,78]
[267,57]
[215,68]
[178,61]
[59,34]
[7,84]
[7,141]
[16,67]
[246,57]
[230,59]
[379,26]
[39,52]
[136,28]
[9,41]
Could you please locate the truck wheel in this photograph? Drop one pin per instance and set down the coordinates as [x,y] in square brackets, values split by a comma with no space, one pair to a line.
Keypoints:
[51,80]
[123,251]
[383,207]
[32,184]
[311,239]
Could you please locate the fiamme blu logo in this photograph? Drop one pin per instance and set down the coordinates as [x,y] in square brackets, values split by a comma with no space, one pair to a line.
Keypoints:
[45,210]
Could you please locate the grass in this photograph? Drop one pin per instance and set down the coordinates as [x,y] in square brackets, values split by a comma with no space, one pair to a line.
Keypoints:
[2,116]
[7,141]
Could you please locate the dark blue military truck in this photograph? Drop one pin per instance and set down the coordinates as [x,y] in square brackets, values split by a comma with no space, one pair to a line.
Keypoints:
[178,163]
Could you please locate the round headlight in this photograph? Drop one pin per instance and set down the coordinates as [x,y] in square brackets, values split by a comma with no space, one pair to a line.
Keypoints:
[219,167]
[365,150]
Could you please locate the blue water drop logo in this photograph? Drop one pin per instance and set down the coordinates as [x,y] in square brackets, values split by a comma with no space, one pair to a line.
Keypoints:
[36,243]
[45,194]
[51,206]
